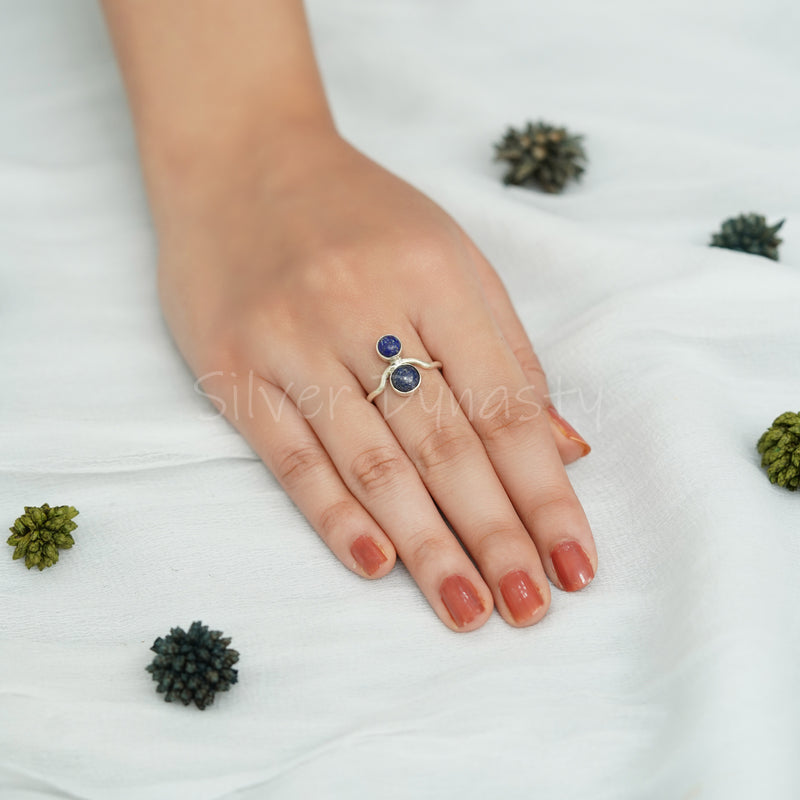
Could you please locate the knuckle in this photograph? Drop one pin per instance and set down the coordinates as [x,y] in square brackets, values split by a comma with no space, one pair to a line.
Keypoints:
[430,254]
[337,516]
[559,505]
[269,319]
[433,249]
[220,354]
[425,548]
[296,464]
[443,445]
[530,364]
[505,420]
[493,538]
[332,273]
[376,468]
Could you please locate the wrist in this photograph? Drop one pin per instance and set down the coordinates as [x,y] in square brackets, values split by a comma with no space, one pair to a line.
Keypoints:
[216,87]
[194,171]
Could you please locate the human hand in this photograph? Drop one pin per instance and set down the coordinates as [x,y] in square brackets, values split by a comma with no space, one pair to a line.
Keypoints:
[277,283]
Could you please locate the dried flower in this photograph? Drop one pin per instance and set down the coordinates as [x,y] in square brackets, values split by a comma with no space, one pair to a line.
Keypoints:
[780,449]
[40,532]
[542,155]
[193,666]
[749,233]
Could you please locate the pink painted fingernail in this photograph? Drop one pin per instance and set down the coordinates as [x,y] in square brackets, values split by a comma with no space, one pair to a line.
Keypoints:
[521,594]
[569,431]
[572,565]
[461,599]
[368,554]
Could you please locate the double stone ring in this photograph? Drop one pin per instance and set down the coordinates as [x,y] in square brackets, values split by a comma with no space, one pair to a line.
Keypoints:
[402,373]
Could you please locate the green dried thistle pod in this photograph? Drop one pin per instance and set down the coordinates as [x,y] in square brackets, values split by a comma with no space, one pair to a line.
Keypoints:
[541,155]
[779,446]
[192,666]
[41,532]
[749,233]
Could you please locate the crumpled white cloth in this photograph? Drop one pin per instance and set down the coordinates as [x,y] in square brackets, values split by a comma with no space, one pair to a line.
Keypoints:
[673,676]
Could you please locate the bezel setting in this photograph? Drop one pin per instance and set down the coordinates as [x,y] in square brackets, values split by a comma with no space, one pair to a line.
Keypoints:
[389,347]
[400,372]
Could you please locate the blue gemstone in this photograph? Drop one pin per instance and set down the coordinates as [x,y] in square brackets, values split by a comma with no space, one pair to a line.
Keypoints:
[389,346]
[405,378]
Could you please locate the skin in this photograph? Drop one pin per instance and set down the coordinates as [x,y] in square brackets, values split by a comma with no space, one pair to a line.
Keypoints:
[284,254]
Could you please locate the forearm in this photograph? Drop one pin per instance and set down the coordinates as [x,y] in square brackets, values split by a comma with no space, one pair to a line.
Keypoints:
[209,79]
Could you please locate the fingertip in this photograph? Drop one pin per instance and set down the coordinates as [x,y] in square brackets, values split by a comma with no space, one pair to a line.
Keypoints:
[570,451]
[525,601]
[466,608]
[371,559]
[571,444]
[572,566]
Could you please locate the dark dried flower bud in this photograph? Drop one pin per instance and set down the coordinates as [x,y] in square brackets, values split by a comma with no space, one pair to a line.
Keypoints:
[194,665]
[541,155]
[749,233]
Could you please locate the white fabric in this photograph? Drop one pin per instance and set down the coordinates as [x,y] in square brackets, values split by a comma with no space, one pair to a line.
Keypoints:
[673,676]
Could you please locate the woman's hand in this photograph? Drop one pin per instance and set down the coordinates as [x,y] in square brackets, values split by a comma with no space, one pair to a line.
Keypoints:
[277,283]
[284,255]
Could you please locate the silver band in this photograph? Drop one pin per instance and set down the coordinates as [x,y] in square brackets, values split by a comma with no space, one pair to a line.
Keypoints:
[401,373]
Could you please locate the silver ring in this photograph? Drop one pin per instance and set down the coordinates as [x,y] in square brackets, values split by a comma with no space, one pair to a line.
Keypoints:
[402,373]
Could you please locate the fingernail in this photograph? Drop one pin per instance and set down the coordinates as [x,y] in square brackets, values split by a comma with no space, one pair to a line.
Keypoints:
[521,594]
[461,599]
[572,566]
[368,554]
[569,431]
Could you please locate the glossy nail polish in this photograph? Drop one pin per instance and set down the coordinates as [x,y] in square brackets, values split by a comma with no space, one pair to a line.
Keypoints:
[461,599]
[568,430]
[368,554]
[521,594]
[572,566]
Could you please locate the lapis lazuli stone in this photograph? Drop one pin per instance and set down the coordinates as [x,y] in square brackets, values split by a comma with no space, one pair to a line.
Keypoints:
[389,346]
[405,378]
